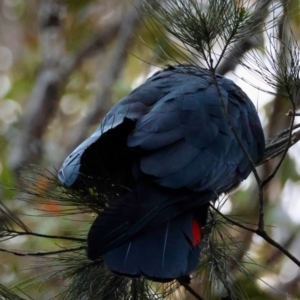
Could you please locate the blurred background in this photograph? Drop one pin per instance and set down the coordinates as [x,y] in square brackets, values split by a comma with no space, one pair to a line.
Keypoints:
[63,64]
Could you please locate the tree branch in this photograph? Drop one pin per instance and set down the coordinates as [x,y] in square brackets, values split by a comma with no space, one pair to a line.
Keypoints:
[231,61]
[42,253]
[56,70]
[113,69]
[70,238]
[189,289]
[261,233]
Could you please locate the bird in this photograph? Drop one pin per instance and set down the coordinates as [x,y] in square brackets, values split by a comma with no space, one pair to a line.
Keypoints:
[161,155]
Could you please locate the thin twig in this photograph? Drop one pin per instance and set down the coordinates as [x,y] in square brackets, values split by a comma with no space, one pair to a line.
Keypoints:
[263,234]
[238,224]
[288,144]
[274,257]
[253,166]
[236,54]
[190,289]
[43,253]
[267,238]
[281,26]
[19,233]
[291,113]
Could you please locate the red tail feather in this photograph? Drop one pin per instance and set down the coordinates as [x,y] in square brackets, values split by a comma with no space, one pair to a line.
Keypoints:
[196,233]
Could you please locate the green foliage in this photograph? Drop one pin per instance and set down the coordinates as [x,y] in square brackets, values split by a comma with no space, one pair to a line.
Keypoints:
[203,25]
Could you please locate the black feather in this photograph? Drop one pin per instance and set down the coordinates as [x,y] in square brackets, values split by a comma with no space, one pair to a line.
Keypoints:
[166,150]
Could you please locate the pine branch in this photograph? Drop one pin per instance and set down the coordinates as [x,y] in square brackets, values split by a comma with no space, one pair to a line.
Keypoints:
[42,253]
[262,233]
[189,289]
[14,233]
[7,294]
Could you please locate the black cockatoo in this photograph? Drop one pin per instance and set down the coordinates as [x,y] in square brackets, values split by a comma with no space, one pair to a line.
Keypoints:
[170,149]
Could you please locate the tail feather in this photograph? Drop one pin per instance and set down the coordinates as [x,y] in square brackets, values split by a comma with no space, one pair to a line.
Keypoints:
[150,232]
[162,254]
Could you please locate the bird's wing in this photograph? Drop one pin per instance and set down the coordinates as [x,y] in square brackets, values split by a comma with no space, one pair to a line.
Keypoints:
[179,132]
[131,107]
[187,138]
[182,131]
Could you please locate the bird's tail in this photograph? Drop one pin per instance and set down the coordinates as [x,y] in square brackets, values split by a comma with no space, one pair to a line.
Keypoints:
[161,242]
